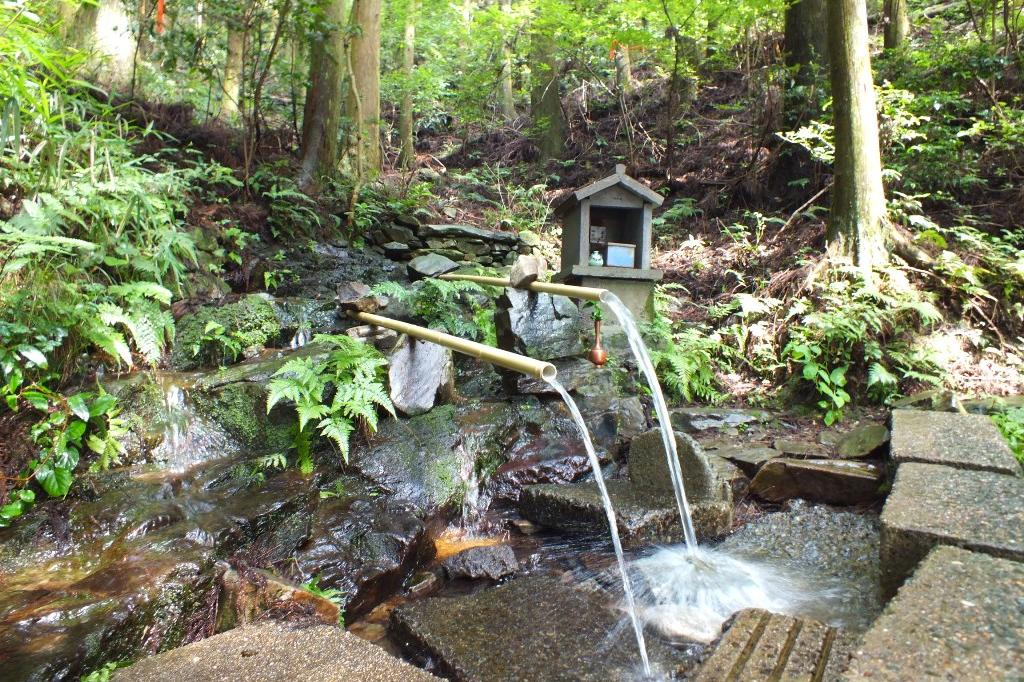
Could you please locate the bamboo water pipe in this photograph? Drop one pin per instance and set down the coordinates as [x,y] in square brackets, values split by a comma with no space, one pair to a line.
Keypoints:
[537,369]
[568,290]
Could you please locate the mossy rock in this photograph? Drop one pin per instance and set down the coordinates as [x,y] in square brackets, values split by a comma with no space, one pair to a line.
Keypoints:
[241,410]
[251,322]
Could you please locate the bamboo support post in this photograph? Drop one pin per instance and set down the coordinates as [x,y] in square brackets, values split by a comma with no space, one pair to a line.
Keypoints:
[568,290]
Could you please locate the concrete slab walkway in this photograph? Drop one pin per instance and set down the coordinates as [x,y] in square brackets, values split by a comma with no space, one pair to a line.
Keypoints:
[275,653]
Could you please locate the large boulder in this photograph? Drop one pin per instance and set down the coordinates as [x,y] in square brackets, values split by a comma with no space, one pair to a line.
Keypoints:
[649,469]
[541,326]
[420,375]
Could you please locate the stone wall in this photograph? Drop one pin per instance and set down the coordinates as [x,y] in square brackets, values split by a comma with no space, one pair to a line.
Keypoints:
[406,238]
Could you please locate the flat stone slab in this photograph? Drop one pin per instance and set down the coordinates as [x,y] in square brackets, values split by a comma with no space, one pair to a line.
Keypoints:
[274,653]
[643,518]
[535,628]
[768,646]
[960,617]
[937,505]
[833,481]
[964,441]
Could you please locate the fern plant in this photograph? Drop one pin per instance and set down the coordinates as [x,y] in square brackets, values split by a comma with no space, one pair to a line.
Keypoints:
[444,304]
[333,396]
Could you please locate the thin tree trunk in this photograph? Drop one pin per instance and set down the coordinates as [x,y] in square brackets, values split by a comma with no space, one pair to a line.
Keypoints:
[231,85]
[506,99]
[545,99]
[364,95]
[897,23]
[322,112]
[623,69]
[407,155]
[858,224]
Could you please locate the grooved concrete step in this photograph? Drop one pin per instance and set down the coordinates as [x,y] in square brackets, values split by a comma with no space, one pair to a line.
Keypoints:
[760,645]
[274,653]
[963,441]
[960,617]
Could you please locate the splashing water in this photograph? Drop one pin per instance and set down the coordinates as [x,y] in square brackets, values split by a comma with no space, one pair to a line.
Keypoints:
[643,358]
[595,465]
[688,593]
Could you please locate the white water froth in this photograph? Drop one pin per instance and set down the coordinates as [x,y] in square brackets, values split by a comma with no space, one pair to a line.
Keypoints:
[688,593]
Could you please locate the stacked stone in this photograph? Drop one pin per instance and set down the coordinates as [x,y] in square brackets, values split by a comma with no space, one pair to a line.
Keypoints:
[406,238]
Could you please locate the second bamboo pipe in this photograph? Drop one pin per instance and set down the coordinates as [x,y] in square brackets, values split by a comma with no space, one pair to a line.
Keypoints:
[537,369]
[568,290]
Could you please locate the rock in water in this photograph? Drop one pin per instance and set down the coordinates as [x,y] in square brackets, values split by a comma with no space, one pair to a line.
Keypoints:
[430,265]
[421,374]
[648,468]
[493,562]
[541,326]
[821,480]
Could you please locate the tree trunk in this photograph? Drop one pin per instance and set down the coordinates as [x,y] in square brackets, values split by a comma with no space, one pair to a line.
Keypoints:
[897,23]
[545,100]
[408,152]
[806,38]
[507,98]
[321,116]
[858,224]
[231,85]
[78,24]
[364,93]
[623,69]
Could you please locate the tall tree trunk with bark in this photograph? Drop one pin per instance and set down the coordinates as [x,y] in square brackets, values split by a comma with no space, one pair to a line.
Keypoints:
[321,116]
[231,85]
[897,23]
[364,91]
[506,98]
[407,155]
[806,39]
[545,100]
[858,224]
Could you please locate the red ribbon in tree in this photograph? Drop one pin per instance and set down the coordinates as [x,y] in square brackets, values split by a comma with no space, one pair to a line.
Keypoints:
[159,16]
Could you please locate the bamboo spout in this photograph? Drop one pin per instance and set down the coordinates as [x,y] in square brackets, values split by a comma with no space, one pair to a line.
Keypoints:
[568,290]
[537,369]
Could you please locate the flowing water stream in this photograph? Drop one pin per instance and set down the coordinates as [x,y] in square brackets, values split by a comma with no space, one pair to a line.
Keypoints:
[643,359]
[613,527]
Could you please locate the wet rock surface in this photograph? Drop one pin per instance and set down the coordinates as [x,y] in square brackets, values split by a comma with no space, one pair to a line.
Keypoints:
[542,326]
[534,628]
[492,562]
[274,653]
[430,265]
[959,617]
[820,480]
[251,595]
[835,551]
[364,546]
[938,505]
[965,441]
[758,645]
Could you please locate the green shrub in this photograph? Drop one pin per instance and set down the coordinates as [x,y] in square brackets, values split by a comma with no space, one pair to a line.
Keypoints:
[1011,424]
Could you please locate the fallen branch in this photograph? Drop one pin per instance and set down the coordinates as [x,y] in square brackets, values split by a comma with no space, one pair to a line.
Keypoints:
[803,207]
